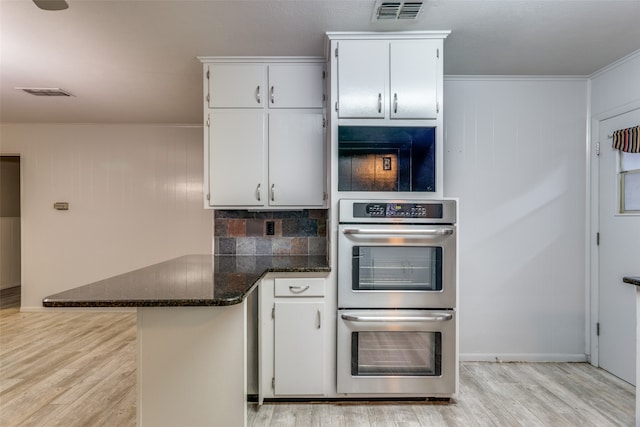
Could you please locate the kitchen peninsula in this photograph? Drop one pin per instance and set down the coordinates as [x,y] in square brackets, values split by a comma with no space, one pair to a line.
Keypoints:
[191,332]
[635,280]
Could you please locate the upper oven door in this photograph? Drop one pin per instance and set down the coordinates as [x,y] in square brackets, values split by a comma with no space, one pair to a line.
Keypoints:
[396,266]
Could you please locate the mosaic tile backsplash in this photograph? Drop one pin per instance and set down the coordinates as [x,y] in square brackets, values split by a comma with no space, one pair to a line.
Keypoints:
[239,232]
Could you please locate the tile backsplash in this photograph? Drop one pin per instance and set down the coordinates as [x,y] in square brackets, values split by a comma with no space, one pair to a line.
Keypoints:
[241,232]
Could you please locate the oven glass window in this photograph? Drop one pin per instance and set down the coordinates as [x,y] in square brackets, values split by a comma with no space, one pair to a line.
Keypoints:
[399,353]
[386,268]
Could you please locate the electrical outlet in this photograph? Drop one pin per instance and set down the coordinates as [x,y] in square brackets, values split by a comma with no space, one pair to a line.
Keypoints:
[386,163]
[271,228]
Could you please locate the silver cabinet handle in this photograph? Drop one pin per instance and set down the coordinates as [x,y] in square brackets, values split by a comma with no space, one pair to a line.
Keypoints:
[426,232]
[395,103]
[433,317]
[273,192]
[258,192]
[298,289]
[258,95]
[319,317]
[379,102]
[271,94]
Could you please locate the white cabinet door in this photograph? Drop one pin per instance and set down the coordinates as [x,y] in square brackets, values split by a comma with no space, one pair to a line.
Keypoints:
[296,85]
[413,79]
[237,158]
[299,348]
[296,158]
[237,85]
[362,78]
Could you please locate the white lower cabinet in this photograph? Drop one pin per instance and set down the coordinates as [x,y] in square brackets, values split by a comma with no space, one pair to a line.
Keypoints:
[298,348]
[292,337]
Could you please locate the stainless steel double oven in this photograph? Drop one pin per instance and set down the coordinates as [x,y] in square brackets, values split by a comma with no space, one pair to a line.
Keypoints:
[397,298]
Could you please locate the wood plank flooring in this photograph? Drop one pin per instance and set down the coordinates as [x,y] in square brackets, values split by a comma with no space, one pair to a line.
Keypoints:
[79,369]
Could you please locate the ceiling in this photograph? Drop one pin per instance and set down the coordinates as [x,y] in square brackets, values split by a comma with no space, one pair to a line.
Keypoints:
[135,61]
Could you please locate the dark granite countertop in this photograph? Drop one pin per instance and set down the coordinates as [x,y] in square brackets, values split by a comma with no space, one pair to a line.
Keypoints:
[632,280]
[191,280]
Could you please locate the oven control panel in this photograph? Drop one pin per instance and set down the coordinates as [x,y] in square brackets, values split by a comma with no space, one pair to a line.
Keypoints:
[358,211]
[397,210]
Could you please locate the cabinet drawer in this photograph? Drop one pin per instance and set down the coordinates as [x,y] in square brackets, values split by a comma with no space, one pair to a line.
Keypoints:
[312,287]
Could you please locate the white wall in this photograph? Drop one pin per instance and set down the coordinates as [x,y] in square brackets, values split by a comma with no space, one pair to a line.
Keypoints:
[515,152]
[616,85]
[135,196]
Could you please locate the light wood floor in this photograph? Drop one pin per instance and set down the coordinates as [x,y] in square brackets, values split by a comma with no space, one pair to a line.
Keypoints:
[79,369]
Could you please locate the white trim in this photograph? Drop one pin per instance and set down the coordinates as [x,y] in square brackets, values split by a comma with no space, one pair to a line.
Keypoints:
[522,357]
[616,64]
[513,78]
[165,125]
[587,225]
[261,59]
[386,35]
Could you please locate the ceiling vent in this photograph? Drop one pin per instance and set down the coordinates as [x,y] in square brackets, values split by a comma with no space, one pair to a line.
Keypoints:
[44,91]
[397,10]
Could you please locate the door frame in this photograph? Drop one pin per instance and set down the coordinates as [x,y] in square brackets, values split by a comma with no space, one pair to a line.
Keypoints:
[21,190]
[593,221]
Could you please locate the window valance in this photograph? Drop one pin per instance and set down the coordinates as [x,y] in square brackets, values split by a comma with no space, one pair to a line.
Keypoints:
[627,140]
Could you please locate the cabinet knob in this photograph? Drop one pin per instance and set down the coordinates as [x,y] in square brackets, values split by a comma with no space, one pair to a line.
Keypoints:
[258,192]
[271,94]
[273,192]
[379,103]
[258,95]
[395,103]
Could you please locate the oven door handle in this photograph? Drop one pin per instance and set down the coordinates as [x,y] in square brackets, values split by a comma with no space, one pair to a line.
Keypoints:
[444,231]
[435,317]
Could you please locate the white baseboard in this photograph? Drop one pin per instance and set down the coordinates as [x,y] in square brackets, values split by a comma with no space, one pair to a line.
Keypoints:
[38,309]
[523,357]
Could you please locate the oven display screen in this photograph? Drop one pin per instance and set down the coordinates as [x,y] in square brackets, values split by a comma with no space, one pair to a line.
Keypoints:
[397,210]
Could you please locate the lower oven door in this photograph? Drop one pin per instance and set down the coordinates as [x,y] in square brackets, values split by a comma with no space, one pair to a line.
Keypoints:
[397,352]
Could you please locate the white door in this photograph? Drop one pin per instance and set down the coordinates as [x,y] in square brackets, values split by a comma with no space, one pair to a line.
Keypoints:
[237,158]
[296,159]
[414,79]
[618,257]
[362,78]
[299,348]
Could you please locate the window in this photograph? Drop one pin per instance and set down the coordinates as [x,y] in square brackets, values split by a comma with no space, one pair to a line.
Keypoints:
[629,182]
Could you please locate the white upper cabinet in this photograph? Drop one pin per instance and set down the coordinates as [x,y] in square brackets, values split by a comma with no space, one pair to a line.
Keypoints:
[248,85]
[296,158]
[413,77]
[237,85]
[387,78]
[362,78]
[236,162]
[264,136]
[296,85]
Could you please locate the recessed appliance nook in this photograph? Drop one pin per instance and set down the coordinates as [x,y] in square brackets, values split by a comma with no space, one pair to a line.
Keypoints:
[386,158]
